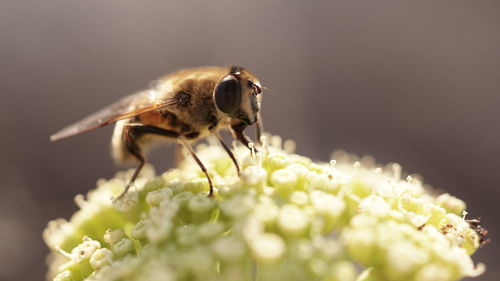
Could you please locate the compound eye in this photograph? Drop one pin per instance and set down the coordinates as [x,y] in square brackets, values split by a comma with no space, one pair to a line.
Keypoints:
[228,95]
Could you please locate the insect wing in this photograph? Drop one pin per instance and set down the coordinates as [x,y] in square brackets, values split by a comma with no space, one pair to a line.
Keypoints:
[127,107]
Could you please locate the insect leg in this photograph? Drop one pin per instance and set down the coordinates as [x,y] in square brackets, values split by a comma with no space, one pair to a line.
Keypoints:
[237,132]
[130,134]
[202,167]
[259,128]
[217,135]
[134,149]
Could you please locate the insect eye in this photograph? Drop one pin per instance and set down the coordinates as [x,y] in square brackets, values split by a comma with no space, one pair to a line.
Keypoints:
[227,95]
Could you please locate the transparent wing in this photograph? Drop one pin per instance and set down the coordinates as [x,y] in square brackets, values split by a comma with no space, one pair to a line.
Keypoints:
[127,107]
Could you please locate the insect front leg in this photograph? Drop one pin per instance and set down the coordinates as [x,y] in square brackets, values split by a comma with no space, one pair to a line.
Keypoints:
[131,133]
[259,128]
[237,129]
[202,167]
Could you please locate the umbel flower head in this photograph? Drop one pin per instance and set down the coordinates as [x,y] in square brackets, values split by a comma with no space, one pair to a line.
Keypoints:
[285,218]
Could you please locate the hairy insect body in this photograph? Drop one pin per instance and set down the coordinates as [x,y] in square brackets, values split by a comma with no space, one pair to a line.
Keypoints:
[183,106]
[191,112]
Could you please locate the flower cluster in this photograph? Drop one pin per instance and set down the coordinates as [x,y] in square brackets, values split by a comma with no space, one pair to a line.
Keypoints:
[284,218]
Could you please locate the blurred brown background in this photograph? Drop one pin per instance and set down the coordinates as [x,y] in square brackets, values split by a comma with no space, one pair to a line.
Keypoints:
[414,82]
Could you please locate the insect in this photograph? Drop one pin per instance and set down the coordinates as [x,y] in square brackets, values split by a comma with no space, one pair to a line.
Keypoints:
[183,106]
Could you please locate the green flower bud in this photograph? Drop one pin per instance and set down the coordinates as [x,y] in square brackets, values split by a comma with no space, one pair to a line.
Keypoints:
[292,221]
[100,258]
[113,236]
[123,247]
[285,218]
[267,248]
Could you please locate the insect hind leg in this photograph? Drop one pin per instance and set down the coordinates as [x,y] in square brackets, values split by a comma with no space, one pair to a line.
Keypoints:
[133,131]
[130,134]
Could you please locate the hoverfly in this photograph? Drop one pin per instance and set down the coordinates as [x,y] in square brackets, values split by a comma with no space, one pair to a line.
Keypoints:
[183,106]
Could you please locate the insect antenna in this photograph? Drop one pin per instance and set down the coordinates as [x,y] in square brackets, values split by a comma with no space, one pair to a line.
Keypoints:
[266,89]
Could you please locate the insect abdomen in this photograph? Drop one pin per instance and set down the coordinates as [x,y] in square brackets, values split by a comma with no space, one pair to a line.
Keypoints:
[119,149]
[165,120]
